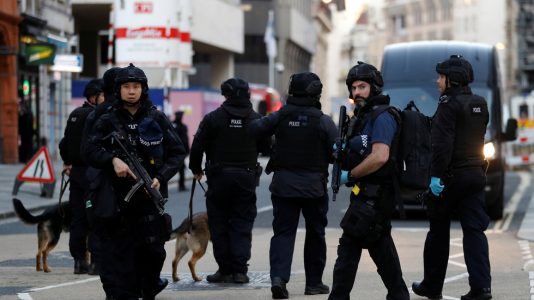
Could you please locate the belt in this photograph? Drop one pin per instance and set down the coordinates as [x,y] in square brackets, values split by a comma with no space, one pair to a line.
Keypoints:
[367,189]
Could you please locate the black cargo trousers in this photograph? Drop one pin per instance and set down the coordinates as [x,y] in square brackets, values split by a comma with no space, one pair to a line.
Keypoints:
[82,238]
[381,249]
[463,194]
[231,208]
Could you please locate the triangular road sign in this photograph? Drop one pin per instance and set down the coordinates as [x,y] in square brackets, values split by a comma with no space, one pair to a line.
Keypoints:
[39,169]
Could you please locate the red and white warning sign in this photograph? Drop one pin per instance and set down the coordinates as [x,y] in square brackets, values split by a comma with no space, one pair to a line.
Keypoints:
[39,169]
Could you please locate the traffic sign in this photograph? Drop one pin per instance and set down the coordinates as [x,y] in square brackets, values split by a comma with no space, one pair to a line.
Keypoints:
[39,169]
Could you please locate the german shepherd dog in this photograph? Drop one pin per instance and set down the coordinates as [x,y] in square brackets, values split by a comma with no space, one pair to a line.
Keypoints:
[50,224]
[196,241]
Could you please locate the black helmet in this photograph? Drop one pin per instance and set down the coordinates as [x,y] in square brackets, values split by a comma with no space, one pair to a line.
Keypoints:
[305,84]
[368,73]
[235,88]
[109,80]
[93,88]
[131,73]
[457,69]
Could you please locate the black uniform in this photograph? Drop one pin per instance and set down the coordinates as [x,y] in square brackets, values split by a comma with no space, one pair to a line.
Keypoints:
[302,151]
[81,239]
[367,222]
[231,170]
[181,130]
[133,239]
[458,129]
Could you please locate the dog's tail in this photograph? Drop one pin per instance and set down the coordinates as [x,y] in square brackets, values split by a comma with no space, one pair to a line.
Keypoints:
[25,215]
[180,230]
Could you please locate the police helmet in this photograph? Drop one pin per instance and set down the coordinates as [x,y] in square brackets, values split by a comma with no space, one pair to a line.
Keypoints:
[457,69]
[93,88]
[235,88]
[109,80]
[131,73]
[305,84]
[368,73]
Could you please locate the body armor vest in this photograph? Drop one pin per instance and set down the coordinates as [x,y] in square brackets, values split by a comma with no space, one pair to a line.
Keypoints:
[232,145]
[297,144]
[77,122]
[471,124]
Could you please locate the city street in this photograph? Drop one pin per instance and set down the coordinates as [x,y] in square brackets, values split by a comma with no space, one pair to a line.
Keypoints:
[511,258]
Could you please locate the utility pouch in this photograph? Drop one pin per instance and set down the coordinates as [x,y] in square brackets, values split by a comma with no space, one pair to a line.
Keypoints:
[361,222]
[100,200]
[259,170]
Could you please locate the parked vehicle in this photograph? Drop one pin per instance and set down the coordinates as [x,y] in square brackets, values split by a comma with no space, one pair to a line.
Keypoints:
[521,151]
[409,71]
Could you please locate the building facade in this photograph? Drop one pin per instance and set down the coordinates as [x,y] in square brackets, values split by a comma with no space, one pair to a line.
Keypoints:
[9,20]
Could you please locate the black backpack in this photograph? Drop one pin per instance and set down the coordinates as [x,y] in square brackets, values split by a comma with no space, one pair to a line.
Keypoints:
[414,153]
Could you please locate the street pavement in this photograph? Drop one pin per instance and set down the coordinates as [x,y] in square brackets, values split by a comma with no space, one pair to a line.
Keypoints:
[18,279]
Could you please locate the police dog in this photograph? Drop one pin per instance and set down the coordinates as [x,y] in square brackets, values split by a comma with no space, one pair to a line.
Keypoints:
[196,241]
[50,224]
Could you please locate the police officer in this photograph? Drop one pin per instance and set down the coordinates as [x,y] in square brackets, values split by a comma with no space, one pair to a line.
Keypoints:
[300,158]
[134,237]
[372,138]
[457,182]
[181,130]
[232,174]
[75,167]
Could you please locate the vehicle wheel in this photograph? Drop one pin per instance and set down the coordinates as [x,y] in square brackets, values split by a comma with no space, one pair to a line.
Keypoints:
[495,211]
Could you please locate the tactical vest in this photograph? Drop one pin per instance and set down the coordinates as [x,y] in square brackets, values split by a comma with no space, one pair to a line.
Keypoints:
[471,124]
[76,123]
[297,143]
[386,173]
[232,145]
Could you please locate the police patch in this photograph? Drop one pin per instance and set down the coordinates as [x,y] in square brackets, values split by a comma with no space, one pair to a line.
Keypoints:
[476,109]
[236,123]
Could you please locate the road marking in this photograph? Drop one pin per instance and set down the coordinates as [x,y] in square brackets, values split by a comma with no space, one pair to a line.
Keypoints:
[24,296]
[64,284]
[529,263]
[265,208]
[511,207]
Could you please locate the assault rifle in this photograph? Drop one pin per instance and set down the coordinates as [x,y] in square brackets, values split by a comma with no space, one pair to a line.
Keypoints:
[143,179]
[339,151]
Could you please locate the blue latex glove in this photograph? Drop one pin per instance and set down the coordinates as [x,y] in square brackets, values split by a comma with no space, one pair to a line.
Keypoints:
[435,186]
[342,147]
[344,177]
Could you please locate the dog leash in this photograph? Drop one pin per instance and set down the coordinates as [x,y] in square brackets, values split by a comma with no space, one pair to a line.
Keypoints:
[190,217]
[64,184]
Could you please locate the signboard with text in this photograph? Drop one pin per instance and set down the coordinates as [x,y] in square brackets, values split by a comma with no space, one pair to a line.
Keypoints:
[147,33]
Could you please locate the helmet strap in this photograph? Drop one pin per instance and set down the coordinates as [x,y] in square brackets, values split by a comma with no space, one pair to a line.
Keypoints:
[132,104]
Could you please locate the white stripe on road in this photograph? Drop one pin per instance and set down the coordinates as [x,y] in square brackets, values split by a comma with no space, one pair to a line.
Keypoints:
[24,296]
[265,208]
[511,207]
[64,284]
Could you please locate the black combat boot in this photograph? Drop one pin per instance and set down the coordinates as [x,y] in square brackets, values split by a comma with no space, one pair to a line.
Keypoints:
[478,294]
[162,284]
[94,269]
[219,277]
[240,278]
[419,289]
[278,288]
[80,267]
[317,289]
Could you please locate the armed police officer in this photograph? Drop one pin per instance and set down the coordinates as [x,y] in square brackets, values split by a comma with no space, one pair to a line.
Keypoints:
[232,172]
[81,239]
[135,231]
[372,140]
[457,182]
[302,151]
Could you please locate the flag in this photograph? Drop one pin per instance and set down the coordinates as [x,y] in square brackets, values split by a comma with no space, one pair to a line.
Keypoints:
[270,41]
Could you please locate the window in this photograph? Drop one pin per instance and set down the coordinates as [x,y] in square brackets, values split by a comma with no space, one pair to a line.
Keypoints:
[417,14]
[431,11]
[399,24]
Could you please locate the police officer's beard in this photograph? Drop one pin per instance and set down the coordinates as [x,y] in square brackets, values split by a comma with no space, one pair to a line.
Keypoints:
[359,102]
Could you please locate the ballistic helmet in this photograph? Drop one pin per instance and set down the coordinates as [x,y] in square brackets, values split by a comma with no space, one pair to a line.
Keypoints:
[368,73]
[93,88]
[109,80]
[131,74]
[457,69]
[304,85]
[235,88]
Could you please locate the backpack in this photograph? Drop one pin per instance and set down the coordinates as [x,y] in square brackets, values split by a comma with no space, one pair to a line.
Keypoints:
[414,153]
[411,152]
